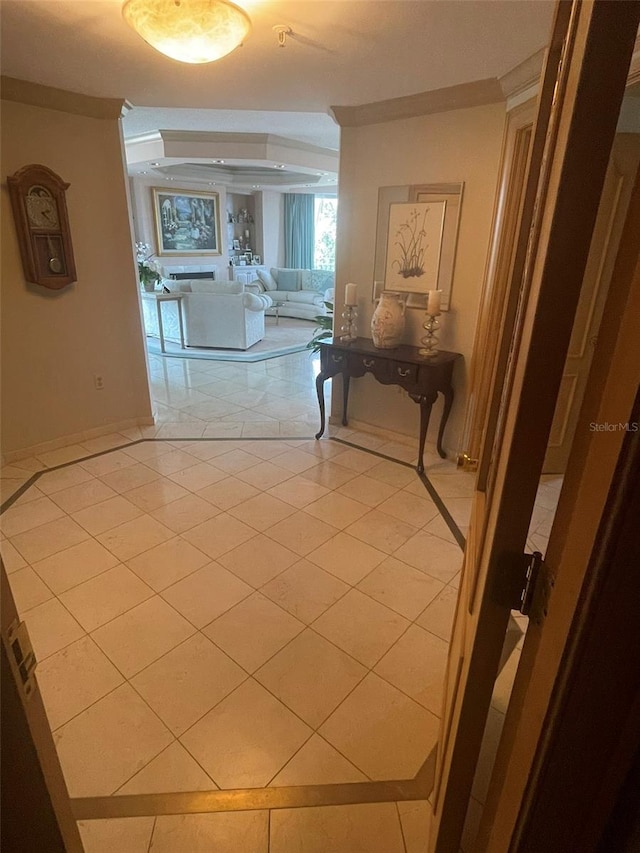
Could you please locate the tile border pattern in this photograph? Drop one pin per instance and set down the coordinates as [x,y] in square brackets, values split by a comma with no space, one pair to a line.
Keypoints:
[255,799]
[433,494]
[247,799]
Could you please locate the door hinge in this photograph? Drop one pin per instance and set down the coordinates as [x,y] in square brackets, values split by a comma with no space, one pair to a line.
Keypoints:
[527,585]
[23,654]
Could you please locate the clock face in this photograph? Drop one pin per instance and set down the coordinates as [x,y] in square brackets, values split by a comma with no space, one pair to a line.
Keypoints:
[42,208]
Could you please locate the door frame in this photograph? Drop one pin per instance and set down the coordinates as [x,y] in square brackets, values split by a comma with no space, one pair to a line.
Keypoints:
[533,787]
[596,41]
[36,809]
[498,300]
[612,215]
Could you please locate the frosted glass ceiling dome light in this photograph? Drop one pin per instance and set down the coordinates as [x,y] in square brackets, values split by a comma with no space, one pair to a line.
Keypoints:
[193,31]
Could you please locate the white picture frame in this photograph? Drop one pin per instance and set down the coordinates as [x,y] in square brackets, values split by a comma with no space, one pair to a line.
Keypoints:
[451,194]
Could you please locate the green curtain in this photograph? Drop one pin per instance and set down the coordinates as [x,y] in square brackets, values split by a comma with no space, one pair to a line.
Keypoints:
[299,230]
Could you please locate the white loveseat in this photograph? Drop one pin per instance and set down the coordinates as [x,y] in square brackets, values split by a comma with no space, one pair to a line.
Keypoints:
[298,293]
[217,314]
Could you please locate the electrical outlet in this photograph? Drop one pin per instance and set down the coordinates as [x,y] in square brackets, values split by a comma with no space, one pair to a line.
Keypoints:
[98,381]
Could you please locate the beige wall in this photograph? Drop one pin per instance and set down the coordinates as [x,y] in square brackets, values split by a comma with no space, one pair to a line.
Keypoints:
[54,342]
[272,228]
[462,145]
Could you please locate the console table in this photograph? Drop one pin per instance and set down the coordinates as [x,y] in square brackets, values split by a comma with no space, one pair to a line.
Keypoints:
[423,378]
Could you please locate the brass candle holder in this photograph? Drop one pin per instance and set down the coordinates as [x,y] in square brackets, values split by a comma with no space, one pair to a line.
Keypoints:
[429,341]
[349,327]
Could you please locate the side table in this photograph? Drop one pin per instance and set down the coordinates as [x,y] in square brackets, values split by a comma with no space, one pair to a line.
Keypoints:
[160,299]
[423,378]
[274,311]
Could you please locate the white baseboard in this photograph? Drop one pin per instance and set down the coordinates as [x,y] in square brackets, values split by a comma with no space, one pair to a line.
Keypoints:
[382,432]
[75,438]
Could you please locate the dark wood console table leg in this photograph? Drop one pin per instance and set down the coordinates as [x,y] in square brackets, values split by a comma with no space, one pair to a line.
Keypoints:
[320,391]
[448,403]
[345,397]
[425,404]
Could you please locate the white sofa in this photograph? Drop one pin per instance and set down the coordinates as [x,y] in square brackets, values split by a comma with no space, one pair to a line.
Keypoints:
[217,314]
[298,293]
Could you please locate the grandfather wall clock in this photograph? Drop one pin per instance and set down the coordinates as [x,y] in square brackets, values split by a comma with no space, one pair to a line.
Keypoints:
[40,212]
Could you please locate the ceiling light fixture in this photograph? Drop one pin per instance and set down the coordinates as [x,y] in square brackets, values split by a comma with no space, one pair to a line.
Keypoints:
[192,31]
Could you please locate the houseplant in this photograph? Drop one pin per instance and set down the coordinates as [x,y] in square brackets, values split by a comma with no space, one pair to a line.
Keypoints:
[148,272]
[324,328]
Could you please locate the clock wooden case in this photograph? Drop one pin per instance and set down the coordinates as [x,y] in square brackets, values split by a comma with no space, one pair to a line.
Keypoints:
[40,212]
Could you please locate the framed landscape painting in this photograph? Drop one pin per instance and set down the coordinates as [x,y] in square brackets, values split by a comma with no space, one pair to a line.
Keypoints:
[187,222]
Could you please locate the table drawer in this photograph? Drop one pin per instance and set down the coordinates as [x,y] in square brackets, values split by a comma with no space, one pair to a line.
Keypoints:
[333,361]
[404,372]
[360,364]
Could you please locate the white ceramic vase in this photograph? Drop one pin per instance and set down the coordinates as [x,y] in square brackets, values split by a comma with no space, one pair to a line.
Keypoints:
[387,323]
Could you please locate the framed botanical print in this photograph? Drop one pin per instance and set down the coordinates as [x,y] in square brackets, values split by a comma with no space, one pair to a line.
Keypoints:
[416,241]
[187,222]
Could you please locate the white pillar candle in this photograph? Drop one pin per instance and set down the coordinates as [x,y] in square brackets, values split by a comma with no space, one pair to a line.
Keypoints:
[351,294]
[433,302]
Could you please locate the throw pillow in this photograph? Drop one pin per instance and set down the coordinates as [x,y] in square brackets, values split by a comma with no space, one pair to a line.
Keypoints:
[288,279]
[322,280]
[267,280]
[305,280]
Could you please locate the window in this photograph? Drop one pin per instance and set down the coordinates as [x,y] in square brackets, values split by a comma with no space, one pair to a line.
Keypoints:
[326,212]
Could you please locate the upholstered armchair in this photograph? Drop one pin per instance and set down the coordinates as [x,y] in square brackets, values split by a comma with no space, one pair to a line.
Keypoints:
[219,314]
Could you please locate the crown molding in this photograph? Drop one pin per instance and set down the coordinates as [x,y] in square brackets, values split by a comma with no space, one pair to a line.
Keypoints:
[37,95]
[464,95]
[232,159]
[243,176]
[266,139]
[523,76]
[521,82]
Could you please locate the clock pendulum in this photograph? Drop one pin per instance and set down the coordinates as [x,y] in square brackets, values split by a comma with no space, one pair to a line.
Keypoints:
[55,264]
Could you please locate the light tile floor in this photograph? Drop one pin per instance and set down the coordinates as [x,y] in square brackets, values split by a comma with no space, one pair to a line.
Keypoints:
[367,828]
[244,631]
[239,612]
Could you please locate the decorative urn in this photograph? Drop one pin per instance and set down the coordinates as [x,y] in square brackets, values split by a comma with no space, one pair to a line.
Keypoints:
[387,323]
